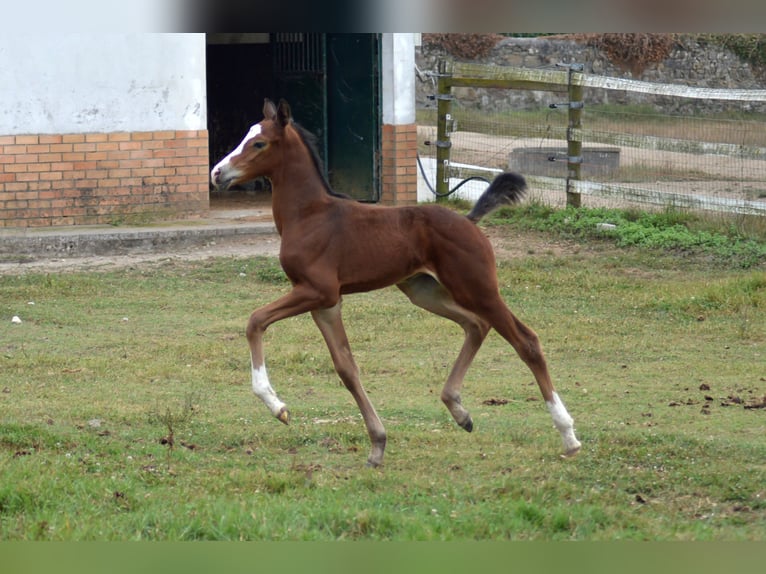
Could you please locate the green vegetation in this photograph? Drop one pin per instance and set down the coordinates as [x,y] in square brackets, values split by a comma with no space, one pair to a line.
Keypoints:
[738,242]
[658,354]
[750,47]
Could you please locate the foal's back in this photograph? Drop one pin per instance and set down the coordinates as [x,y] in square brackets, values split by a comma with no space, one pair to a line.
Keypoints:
[376,246]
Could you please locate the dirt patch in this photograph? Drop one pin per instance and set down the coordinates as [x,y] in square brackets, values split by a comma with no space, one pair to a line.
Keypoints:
[238,246]
[512,244]
[508,244]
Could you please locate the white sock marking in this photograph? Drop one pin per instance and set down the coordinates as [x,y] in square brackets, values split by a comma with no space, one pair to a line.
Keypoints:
[264,391]
[563,422]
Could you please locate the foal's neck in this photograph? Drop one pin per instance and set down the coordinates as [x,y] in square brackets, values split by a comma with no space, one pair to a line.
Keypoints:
[297,189]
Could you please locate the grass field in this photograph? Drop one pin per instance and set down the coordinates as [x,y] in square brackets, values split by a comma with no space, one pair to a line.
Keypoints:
[126,413]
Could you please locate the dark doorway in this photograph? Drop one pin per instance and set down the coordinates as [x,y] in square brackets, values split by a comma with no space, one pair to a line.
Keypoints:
[332,84]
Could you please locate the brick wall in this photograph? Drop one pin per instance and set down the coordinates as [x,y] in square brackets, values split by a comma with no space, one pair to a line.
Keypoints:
[73,179]
[399,181]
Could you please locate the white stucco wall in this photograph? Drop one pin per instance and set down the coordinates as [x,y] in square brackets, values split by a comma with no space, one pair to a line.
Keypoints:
[398,78]
[75,83]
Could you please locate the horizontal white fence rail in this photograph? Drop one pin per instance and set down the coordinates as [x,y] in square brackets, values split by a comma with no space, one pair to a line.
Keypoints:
[506,77]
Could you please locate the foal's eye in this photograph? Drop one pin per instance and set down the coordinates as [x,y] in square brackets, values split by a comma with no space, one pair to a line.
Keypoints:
[259,145]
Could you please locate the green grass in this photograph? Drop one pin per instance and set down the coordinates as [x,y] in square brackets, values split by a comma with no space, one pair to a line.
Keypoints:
[731,241]
[648,348]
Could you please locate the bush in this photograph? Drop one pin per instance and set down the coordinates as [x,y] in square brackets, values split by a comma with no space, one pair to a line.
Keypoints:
[634,51]
[466,46]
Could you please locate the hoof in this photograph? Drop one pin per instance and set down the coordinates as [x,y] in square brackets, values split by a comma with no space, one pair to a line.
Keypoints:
[467,424]
[571,452]
[284,416]
[372,464]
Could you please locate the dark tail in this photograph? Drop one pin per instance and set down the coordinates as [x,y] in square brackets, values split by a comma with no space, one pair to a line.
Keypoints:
[507,188]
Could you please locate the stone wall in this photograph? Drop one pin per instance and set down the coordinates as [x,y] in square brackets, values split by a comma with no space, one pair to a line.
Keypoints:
[691,62]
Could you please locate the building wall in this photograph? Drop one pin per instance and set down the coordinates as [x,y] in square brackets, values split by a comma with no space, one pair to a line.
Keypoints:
[399,133]
[102,128]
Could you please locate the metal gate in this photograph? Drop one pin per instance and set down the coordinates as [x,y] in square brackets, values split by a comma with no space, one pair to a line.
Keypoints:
[332,83]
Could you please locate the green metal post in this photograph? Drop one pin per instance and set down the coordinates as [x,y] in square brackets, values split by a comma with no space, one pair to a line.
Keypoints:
[444,120]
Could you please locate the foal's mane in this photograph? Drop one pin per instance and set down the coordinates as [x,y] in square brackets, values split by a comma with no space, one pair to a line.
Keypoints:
[310,141]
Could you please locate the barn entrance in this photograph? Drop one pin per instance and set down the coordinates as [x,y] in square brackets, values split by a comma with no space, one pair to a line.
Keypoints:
[332,82]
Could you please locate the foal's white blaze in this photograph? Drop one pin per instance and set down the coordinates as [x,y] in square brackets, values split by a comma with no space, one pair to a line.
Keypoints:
[264,391]
[564,423]
[222,165]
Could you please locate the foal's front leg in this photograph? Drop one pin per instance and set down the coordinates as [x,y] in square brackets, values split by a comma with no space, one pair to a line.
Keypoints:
[330,324]
[299,300]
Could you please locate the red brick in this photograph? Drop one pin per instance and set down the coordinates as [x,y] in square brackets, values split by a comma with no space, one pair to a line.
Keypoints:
[141,154]
[152,144]
[27,139]
[164,135]
[107,146]
[14,149]
[131,163]
[174,143]
[130,145]
[51,139]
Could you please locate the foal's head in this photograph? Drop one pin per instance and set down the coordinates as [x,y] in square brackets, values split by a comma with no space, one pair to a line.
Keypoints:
[256,155]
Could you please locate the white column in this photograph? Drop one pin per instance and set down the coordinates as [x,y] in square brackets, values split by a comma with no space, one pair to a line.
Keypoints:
[398,78]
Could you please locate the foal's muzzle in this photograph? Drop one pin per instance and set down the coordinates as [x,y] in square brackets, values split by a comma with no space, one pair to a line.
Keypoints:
[221,179]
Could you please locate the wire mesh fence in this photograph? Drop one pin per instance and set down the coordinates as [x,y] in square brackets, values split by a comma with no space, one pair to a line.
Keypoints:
[649,153]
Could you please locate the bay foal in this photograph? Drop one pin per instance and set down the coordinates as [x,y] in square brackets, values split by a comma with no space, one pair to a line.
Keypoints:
[331,246]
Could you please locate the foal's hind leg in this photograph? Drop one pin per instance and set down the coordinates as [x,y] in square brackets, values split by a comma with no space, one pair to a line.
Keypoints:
[330,324]
[426,292]
[526,343]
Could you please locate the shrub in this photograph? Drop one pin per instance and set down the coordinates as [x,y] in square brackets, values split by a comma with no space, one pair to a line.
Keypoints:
[466,46]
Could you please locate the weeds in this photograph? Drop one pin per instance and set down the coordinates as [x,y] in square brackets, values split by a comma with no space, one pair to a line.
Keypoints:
[668,230]
[174,420]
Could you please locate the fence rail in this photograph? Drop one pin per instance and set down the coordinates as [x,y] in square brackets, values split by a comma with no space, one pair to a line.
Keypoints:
[482,75]
[572,81]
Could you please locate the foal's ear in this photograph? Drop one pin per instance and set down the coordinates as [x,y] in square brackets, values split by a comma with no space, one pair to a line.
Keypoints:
[269,110]
[284,115]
